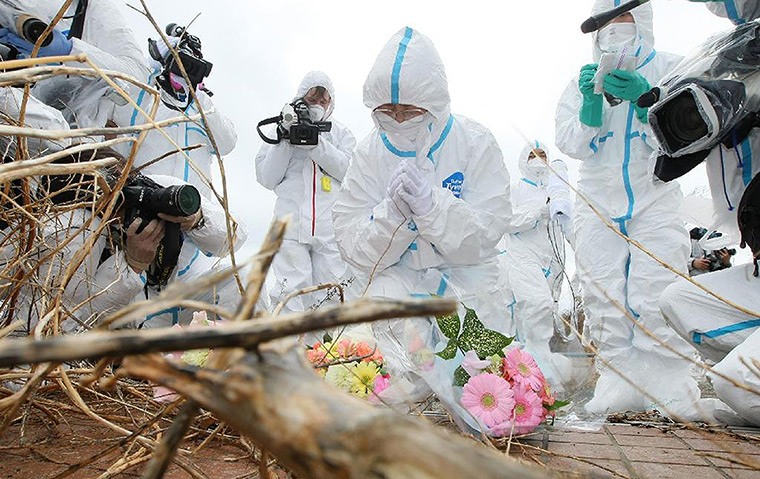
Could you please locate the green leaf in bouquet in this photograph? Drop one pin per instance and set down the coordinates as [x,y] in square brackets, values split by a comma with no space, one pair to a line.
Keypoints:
[326,338]
[450,351]
[460,377]
[449,325]
[557,405]
[475,336]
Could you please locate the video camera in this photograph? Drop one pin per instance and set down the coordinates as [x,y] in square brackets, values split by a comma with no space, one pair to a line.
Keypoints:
[189,52]
[295,124]
[712,97]
[712,245]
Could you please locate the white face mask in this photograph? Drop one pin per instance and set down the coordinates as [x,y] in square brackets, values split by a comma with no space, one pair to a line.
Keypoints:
[408,129]
[316,112]
[536,167]
[615,36]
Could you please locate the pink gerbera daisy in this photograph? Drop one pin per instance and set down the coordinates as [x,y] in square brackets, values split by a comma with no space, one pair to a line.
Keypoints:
[522,368]
[529,410]
[489,398]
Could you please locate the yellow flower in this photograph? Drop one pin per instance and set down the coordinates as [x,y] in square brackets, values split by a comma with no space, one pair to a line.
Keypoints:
[363,378]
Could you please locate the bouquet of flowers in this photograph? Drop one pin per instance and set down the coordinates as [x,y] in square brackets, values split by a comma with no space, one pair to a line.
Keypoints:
[502,387]
[195,357]
[353,366]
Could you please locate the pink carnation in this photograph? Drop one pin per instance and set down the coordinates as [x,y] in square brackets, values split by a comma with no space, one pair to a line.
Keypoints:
[489,398]
[346,349]
[522,368]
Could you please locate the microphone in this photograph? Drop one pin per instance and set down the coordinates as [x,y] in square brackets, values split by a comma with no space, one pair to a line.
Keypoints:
[599,20]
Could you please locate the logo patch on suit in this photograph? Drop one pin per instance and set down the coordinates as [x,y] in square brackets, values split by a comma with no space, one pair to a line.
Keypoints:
[454,183]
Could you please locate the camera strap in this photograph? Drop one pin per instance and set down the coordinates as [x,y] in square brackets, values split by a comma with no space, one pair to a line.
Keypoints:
[77,25]
[270,121]
[748,217]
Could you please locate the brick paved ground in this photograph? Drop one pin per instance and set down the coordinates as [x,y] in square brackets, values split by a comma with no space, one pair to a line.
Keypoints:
[647,453]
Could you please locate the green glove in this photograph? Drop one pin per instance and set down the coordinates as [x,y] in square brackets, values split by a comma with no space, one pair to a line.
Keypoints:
[628,86]
[591,109]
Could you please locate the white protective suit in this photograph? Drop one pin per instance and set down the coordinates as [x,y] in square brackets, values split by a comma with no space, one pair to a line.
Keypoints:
[107,41]
[306,181]
[738,11]
[196,165]
[719,331]
[37,115]
[533,266]
[452,250]
[616,177]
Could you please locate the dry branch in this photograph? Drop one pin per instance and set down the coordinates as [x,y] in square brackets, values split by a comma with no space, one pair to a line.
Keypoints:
[244,334]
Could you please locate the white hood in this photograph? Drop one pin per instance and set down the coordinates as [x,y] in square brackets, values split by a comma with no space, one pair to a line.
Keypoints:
[522,162]
[409,71]
[317,78]
[642,16]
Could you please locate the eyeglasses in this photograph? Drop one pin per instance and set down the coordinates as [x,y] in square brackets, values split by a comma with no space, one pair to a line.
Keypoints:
[401,115]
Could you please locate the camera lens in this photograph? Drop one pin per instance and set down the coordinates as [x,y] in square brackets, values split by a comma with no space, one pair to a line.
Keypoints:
[681,121]
[187,199]
[32,28]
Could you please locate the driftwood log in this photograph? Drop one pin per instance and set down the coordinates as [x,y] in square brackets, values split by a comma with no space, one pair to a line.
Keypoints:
[319,432]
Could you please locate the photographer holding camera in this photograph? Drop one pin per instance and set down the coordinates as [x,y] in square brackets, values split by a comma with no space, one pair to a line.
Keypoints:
[608,130]
[705,261]
[305,167]
[195,165]
[95,28]
[166,233]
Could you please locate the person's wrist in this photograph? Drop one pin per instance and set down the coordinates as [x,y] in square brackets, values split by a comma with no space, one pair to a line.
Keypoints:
[200,222]
[137,265]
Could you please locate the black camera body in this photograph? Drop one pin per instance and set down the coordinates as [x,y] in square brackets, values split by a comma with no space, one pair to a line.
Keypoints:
[715,264]
[295,125]
[145,199]
[303,131]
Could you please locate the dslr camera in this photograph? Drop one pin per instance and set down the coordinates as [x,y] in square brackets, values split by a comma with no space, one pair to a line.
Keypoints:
[712,97]
[295,125]
[144,198]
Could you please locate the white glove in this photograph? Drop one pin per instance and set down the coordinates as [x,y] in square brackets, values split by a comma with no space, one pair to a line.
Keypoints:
[560,209]
[163,50]
[417,192]
[395,187]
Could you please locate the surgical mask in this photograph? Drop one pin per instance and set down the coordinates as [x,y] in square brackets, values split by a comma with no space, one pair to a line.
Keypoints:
[614,37]
[536,167]
[408,129]
[316,112]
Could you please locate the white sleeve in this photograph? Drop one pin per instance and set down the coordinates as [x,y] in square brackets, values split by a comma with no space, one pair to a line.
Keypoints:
[335,158]
[466,230]
[221,127]
[573,138]
[369,229]
[109,43]
[105,287]
[272,162]
[38,115]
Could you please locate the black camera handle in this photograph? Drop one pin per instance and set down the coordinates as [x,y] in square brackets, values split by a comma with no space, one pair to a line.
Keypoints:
[269,121]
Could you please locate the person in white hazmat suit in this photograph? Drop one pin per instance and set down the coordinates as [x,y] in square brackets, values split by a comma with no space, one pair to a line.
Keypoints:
[421,210]
[615,147]
[719,331]
[306,180]
[195,164]
[533,266]
[95,28]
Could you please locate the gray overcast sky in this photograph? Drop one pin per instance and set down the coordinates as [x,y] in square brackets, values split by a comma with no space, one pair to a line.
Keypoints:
[507,63]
